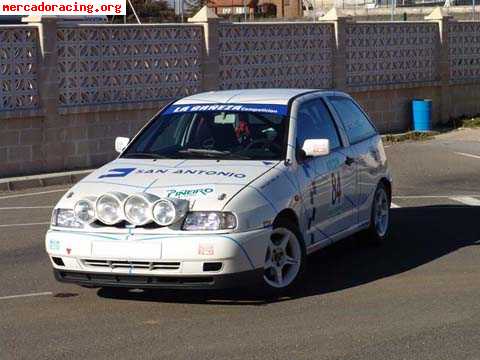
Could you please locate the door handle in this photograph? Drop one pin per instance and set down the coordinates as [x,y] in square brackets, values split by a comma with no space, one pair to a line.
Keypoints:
[349,161]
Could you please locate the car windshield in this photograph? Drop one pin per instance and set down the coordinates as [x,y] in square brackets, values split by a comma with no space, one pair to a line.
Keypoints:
[212,135]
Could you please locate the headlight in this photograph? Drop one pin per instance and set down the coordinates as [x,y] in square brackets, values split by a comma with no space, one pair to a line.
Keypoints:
[84,210]
[138,209]
[209,220]
[169,211]
[65,218]
[109,208]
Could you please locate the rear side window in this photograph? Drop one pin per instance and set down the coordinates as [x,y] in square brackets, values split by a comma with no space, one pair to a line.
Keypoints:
[356,124]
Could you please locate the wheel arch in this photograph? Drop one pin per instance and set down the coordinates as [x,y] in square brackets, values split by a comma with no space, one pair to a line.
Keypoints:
[388,186]
[288,215]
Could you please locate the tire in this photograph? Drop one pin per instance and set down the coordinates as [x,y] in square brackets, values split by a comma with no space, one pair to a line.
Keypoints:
[379,228]
[285,259]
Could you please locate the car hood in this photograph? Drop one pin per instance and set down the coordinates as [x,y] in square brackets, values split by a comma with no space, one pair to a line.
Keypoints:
[207,184]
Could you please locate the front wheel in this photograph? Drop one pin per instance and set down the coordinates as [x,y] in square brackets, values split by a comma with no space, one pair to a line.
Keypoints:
[284,259]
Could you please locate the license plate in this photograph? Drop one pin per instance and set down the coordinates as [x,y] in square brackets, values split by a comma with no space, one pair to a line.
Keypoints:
[131,250]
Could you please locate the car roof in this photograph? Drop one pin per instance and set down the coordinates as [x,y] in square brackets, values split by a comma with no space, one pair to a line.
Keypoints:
[251,96]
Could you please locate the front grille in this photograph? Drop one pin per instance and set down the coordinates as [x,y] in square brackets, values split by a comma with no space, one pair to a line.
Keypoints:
[133,280]
[125,225]
[144,265]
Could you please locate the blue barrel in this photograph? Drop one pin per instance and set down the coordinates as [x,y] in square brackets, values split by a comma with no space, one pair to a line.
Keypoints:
[422,114]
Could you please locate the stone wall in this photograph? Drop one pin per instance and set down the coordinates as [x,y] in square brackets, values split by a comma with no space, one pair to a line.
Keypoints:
[32,145]
[67,91]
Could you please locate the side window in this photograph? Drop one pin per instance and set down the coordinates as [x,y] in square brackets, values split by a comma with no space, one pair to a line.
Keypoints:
[357,125]
[315,122]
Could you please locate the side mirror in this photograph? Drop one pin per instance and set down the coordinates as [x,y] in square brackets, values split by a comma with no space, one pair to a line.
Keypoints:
[316,147]
[121,143]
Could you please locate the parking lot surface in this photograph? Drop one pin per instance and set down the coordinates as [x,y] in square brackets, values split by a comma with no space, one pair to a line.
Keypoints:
[416,297]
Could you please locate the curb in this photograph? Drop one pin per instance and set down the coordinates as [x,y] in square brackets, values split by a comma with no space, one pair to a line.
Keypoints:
[28,182]
[409,136]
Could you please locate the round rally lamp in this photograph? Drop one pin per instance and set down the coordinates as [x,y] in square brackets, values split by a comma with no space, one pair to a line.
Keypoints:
[109,208]
[164,212]
[138,209]
[169,211]
[84,210]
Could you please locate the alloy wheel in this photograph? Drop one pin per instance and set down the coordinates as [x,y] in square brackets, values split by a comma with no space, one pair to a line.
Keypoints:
[283,258]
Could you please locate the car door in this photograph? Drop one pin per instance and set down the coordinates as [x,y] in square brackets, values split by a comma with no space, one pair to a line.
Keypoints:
[327,197]
[363,140]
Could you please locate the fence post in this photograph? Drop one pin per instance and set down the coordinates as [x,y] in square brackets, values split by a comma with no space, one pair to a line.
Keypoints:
[48,91]
[210,63]
[340,22]
[438,15]
[47,63]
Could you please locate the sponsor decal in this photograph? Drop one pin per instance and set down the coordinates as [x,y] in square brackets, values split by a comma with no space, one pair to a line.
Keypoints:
[191,172]
[270,182]
[121,172]
[190,192]
[206,249]
[69,250]
[114,173]
[261,108]
[54,245]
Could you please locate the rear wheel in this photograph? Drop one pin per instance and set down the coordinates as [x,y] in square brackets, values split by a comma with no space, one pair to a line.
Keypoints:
[380,216]
[284,259]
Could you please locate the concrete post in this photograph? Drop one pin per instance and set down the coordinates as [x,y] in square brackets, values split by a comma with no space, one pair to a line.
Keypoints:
[48,89]
[47,63]
[210,64]
[438,15]
[340,22]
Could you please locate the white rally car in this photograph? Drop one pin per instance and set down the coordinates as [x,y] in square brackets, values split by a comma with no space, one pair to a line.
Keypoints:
[223,189]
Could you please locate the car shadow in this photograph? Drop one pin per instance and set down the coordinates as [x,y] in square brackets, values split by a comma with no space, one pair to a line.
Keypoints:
[418,235]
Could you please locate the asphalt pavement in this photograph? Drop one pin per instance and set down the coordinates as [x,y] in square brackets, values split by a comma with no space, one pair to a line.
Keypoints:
[415,297]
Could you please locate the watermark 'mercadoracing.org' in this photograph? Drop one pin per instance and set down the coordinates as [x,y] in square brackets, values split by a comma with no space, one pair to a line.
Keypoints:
[62,7]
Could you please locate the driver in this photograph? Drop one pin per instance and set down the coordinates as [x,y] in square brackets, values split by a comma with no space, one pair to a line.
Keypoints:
[243,130]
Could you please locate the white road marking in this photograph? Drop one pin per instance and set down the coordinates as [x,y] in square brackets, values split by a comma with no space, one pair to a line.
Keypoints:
[394,206]
[468,155]
[431,196]
[20,225]
[46,293]
[467,200]
[26,207]
[32,194]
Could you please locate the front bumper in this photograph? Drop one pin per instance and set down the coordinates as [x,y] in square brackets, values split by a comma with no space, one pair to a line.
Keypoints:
[246,278]
[162,261]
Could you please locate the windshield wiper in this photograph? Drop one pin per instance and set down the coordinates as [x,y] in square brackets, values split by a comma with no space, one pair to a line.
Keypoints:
[227,155]
[145,155]
[204,152]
